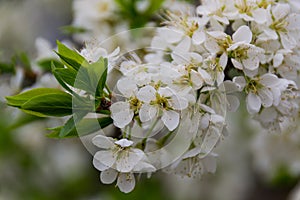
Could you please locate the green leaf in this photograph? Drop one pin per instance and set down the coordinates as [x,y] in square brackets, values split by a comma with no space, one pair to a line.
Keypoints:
[70,57]
[7,68]
[46,64]
[72,29]
[84,127]
[25,61]
[71,123]
[98,74]
[154,6]
[20,99]
[59,79]
[67,75]
[56,104]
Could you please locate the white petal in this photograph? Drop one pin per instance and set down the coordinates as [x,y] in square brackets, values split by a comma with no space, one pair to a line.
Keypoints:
[206,76]
[128,159]
[147,112]
[196,79]
[277,60]
[166,91]
[143,167]
[108,176]
[124,143]
[268,115]
[121,114]
[159,43]
[106,158]
[170,35]
[280,10]
[179,103]
[146,94]
[233,103]
[271,34]
[98,165]
[198,37]
[103,141]
[287,41]
[184,45]
[266,97]
[204,121]
[223,60]
[253,103]
[293,21]
[126,182]
[276,96]
[231,86]
[171,119]
[237,64]
[195,57]
[127,87]
[260,15]
[251,63]
[243,34]
[217,119]
[269,80]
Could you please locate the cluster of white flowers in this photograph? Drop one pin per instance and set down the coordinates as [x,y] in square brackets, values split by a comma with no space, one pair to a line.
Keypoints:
[199,62]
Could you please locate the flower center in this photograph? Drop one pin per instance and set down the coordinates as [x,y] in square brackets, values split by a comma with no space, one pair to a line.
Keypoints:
[253,86]
[224,43]
[239,53]
[279,25]
[161,101]
[135,104]
[244,8]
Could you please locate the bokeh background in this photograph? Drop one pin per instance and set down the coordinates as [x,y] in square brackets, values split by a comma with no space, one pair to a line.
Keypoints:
[251,164]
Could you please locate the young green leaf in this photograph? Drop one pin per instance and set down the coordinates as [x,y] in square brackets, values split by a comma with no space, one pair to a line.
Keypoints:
[56,104]
[19,99]
[98,74]
[59,79]
[72,29]
[70,57]
[71,123]
[46,64]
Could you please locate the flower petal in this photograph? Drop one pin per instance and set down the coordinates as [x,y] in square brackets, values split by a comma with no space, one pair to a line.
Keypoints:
[147,112]
[128,159]
[198,37]
[171,119]
[124,143]
[170,35]
[237,64]
[243,34]
[127,87]
[251,63]
[253,103]
[121,114]
[103,141]
[269,80]
[108,176]
[179,103]
[126,182]
[266,97]
[146,94]
[143,167]
[98,165]
[106,158]
[233,103]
